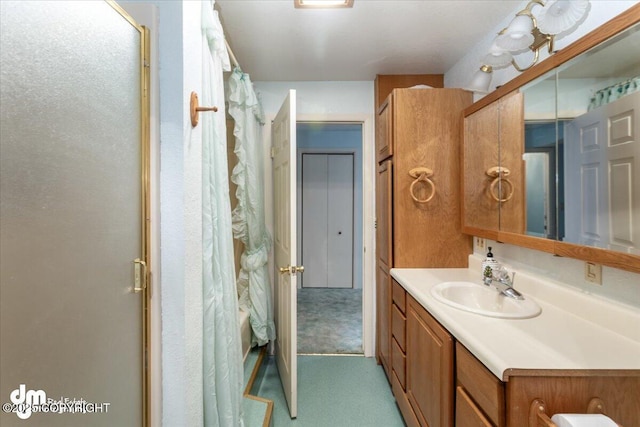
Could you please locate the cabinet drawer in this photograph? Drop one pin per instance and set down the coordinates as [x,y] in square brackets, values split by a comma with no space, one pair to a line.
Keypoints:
[482,386]
[398,323]
[467,413]
[399,296]
[398,362]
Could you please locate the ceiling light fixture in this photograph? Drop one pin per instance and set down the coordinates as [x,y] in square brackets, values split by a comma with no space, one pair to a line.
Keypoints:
[322,4]
[527,32]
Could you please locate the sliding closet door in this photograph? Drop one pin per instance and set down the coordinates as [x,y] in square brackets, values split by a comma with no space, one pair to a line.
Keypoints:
[327,220]
[72,212]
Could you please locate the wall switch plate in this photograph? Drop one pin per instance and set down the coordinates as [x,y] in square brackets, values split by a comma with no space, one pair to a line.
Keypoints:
[593,273]
[479,243]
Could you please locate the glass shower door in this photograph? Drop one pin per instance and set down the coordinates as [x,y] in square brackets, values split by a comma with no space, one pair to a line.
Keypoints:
[72,208]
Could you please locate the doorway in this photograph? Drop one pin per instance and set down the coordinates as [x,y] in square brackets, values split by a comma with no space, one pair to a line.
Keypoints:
[330,318]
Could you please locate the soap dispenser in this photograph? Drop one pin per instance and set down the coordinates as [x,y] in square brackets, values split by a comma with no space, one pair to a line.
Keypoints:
[489,265]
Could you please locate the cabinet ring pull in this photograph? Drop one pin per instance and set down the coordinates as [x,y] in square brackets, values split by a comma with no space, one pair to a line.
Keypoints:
[421,174]
[499,174]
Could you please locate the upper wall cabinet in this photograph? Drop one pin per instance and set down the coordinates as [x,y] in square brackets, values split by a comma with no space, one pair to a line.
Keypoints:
[552,158]
[494,187]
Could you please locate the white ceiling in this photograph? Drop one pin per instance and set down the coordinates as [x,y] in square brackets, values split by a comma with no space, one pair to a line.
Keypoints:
[273,41]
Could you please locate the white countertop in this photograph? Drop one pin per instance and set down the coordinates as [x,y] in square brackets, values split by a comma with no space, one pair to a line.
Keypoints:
[574,331]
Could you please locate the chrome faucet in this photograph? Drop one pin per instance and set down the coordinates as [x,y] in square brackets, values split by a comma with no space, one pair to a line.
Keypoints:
[503,283]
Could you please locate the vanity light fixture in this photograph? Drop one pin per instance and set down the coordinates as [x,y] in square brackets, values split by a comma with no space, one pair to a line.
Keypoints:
[481,80]
[322,4]
[529,32]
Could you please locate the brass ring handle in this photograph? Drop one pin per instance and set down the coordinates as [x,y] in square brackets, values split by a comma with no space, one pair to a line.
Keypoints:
[499,174]
[422,175]
[493,192]
[498,171]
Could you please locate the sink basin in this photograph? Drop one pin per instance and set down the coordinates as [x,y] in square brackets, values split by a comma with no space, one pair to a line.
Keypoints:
[480,299]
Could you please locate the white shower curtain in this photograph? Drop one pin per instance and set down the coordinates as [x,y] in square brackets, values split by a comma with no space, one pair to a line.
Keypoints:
[254,287]
[222,352]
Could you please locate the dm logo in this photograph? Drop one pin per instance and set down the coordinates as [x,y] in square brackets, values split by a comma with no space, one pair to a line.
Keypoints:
[25,400]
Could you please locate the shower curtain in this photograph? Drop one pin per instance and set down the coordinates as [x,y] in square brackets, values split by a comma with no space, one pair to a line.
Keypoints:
[254,287]
[222,354]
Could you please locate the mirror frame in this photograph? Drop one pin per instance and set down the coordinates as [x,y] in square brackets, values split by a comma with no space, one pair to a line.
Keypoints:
[620,260]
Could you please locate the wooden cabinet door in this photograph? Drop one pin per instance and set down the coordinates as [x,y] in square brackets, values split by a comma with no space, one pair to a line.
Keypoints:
[494,137]
[385,262]
[479,154]
[429,368]
[383,322]
[513,207]
[384,130]
[427,129]
[384,199]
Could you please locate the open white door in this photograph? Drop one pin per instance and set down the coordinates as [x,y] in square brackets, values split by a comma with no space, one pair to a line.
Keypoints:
[286,283]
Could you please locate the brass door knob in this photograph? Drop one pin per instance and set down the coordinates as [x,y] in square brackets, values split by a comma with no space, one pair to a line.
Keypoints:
[291,269]
[284,269]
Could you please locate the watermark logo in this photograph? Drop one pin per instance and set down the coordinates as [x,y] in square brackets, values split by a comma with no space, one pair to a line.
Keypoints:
[26,402]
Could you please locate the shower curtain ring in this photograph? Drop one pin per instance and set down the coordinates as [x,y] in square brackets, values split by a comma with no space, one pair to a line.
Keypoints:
[195,109]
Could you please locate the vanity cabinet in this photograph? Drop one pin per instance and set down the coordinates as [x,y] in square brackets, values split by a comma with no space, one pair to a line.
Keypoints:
[422,365]
[418,223]
[438,382]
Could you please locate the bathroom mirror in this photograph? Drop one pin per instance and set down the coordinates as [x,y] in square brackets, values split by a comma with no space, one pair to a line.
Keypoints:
[563,188]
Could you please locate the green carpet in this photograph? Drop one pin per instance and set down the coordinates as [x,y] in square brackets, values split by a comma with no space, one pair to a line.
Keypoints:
[333,391]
